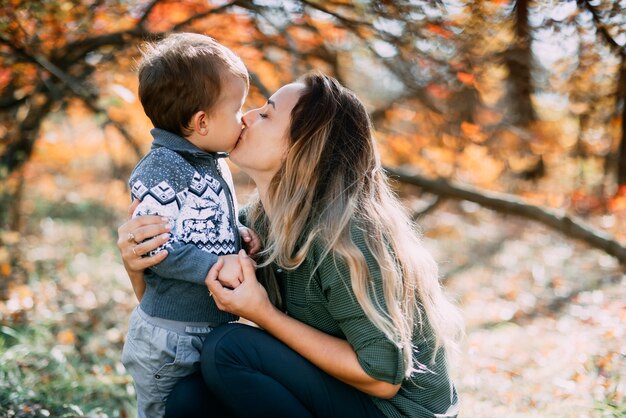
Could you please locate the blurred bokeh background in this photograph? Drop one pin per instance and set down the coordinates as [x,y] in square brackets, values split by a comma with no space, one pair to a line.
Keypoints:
[502,122]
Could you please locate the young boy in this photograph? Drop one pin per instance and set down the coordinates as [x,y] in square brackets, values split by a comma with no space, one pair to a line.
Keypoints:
[192,89]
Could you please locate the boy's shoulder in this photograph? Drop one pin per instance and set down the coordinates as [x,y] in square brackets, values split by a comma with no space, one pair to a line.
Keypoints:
[163,162]
[163,169]
[164,158]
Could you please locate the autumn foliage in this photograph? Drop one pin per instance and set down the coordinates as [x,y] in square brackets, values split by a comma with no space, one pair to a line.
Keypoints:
[517,101]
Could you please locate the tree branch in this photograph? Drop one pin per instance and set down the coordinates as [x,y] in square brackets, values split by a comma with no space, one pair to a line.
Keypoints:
[601,26]
[17,152]
[432,205]
[254,78]
[556,220]
[208,12]
[83,92]
[76,50]
[345,20]
[73,84]
[147,12]
[108,121]
[353,26]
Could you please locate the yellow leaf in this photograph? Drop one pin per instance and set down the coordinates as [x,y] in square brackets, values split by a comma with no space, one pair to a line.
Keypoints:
[10,237]
[5,269]
[66,337]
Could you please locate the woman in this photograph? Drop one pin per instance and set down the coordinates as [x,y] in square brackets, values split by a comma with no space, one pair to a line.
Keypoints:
[362,326]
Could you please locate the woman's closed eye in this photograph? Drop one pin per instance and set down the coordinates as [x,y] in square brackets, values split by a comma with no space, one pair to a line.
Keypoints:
[263,115]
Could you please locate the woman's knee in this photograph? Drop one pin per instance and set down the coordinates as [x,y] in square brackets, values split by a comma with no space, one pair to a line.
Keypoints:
[224,348]
[190,398]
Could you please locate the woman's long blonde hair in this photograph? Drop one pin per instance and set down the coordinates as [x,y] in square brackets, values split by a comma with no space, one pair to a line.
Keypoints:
[332,176]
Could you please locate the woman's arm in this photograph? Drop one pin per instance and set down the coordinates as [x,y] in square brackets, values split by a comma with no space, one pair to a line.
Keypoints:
[333,355]
[138,283]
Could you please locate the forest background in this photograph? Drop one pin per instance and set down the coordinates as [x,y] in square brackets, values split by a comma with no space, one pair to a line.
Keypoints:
[501,122]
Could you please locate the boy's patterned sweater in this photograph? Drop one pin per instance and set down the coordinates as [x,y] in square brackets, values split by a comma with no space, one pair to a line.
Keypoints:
[179,181]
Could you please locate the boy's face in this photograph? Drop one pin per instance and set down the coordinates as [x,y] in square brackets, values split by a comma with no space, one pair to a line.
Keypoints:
[224,119]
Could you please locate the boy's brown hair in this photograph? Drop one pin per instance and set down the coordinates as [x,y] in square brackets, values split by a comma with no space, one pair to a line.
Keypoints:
[183,74]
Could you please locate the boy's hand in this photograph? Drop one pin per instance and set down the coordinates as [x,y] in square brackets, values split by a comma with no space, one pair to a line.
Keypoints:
[251,240]
[230,274]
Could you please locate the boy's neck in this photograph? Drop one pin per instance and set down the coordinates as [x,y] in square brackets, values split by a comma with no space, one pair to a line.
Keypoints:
[196,140]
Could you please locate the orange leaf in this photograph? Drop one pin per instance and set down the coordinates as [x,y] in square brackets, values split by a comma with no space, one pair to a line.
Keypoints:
[437,91]
[466,78]
[585,203]
[618,202]
[5,269]
[470,129]
[439,30]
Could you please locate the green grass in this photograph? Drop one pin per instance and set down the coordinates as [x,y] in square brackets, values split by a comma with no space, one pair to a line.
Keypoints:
[611,408]
[61,339]
[39,377]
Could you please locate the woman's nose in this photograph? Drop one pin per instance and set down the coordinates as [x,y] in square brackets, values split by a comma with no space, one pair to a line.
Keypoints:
[247,118]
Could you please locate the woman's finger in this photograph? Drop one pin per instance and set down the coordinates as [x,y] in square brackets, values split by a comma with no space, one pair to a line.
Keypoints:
[149,219]
[151,231]
[256,246]
[132,225]
[143,263]
[230,283]
[132,207]
[245,234]
[144,220]
[248,266]
[149,245]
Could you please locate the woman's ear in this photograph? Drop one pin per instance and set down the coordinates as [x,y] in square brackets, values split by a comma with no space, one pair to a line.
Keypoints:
[200,123]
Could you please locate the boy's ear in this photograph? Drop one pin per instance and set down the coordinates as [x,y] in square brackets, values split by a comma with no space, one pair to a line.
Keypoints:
[200,122]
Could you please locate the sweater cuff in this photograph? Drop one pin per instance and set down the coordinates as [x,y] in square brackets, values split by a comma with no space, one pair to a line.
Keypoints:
[185,262]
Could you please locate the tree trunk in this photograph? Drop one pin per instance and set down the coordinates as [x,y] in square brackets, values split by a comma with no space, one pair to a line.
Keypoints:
[21,141]
[11,219]
[621,153]
[518,59]
[15,203]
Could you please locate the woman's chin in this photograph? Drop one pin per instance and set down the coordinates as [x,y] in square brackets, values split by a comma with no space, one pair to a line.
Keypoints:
[238,142]
[234,147]
[233,154]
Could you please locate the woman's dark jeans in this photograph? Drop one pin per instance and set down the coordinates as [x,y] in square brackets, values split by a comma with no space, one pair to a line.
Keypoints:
[248,373]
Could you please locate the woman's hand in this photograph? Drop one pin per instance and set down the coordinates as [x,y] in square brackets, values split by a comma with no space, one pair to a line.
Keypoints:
[130,234]
[139,236]
[249,300]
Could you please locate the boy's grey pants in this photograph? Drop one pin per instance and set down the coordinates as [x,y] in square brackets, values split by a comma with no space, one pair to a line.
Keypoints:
[158,353]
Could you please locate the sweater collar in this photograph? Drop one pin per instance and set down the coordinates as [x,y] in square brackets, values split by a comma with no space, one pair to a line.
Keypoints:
[177,143]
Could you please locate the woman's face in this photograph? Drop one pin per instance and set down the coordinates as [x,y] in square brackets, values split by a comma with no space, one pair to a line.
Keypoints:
[264,139]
